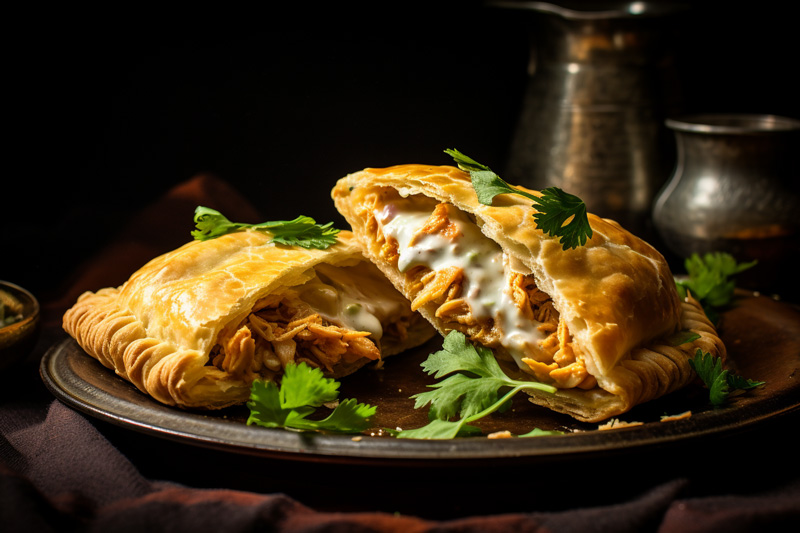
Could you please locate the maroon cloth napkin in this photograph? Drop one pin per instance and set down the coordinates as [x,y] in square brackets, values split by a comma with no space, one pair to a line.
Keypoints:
[61,470]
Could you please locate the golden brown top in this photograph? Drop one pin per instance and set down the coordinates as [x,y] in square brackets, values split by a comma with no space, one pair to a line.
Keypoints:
[615,293]
[187,295]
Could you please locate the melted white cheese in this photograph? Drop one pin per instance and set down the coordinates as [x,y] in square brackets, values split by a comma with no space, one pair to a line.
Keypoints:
[485,285]
[352,297]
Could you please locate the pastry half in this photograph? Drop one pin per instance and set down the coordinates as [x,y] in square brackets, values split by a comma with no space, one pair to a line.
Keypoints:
[195,326]
[592,321]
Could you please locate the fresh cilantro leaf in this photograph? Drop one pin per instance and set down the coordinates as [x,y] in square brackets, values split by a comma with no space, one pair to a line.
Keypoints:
[440,429]
[459,394]
[458,354]
[303,385]
[348,417]
[302,231]
[683,336]
[719,389]
[471,390]
[486,183]
[561,214]
[211,224]
[536,432]
[265,405]
[465,162]
[719,381]
[302,390]
[740,383]
[709,280]
[709,369]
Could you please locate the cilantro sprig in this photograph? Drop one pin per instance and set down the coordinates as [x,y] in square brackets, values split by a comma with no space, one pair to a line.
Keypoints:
[560,214]
[720,381]
[710,280]
[303,231]
[683,336]
[302,391]
[471,391]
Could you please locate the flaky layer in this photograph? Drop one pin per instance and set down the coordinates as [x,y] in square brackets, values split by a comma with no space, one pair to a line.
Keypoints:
[172,375]
[646,373]
[159,329]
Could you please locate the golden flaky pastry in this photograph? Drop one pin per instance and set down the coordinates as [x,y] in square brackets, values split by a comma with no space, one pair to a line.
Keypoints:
[194,327]
[592,321]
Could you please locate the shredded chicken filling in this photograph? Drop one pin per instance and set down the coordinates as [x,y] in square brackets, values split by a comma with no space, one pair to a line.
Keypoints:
[285,329]
[444,287]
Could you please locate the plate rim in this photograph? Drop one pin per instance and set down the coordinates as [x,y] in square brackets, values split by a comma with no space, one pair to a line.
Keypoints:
[196,429]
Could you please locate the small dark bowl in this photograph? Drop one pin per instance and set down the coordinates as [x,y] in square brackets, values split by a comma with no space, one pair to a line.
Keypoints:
[20,329]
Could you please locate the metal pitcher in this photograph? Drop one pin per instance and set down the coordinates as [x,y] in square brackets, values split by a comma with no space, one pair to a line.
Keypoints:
[735,188]
[602,81]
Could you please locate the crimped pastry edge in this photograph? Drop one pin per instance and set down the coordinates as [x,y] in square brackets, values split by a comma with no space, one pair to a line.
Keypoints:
[118,340]
[647,373]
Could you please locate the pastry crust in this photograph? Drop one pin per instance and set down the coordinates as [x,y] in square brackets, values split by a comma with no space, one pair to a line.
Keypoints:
[161,329]
[615,295]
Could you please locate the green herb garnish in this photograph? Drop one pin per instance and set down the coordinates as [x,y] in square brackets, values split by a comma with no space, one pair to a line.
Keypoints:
[471,391]
[536,432]
[719,381]
[302,391]
[302,231]
[683,336]
[709,280]
[561,214]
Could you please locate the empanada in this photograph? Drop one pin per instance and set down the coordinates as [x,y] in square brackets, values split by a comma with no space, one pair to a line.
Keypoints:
[194,327]
[592,321]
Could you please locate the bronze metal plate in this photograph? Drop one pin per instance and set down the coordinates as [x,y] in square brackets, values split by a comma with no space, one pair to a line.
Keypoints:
[762,337]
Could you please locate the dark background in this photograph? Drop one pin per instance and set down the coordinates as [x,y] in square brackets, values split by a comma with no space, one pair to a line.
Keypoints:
[108,110]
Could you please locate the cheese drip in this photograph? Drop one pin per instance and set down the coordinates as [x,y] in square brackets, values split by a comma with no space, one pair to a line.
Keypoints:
[335,319]
[486,272]
[352,297]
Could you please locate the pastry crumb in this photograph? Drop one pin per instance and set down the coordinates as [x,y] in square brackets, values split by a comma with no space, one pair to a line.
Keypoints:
[615,423]
[681,416]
